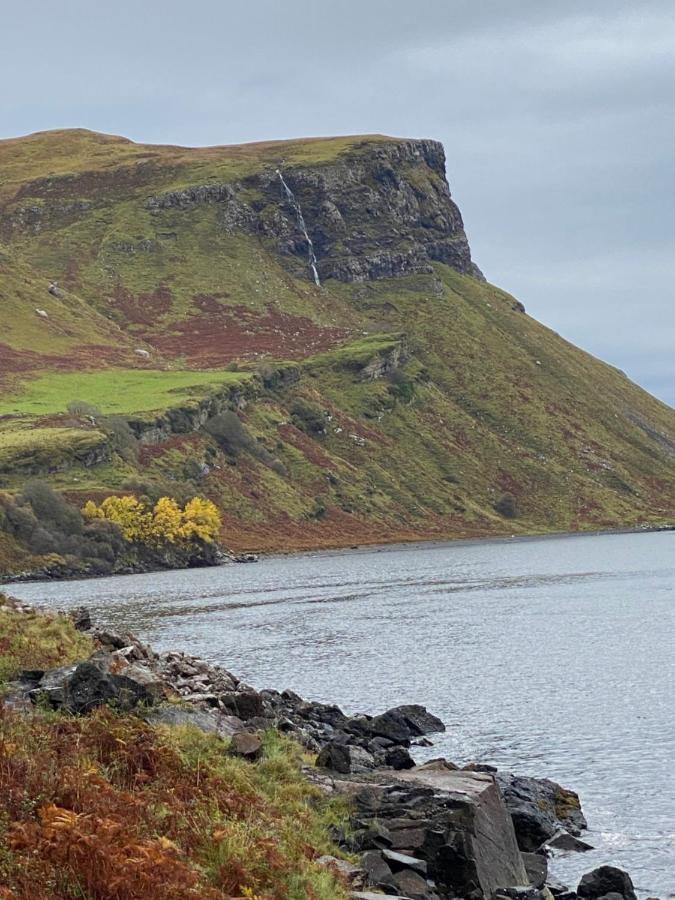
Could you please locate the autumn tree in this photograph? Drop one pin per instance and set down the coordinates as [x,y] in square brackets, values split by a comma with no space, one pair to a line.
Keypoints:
[166,522]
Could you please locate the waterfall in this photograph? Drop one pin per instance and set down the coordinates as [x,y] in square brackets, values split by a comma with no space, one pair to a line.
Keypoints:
[290,196]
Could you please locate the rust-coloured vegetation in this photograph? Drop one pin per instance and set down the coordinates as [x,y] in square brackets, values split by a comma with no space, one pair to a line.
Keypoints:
[106,807]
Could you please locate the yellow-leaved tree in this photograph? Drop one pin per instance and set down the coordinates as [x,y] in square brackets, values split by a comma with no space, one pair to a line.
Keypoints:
[166,522]
[201,520]
[127,512]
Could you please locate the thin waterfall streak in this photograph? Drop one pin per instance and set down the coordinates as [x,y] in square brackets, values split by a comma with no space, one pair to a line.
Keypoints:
[290,196]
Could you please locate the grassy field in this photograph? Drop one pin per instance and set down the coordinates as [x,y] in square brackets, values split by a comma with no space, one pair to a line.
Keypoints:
[115,391]
[26,448]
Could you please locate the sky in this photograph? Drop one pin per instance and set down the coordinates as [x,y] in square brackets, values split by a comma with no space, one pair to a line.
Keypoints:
[556,116]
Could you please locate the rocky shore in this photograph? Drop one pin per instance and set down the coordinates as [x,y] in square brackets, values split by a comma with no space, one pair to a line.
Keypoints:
[424,832]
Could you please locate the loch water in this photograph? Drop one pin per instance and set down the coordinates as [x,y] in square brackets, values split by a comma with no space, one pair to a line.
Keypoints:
[549,657]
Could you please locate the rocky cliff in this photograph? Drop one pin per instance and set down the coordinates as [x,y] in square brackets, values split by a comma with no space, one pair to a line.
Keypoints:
[379,210]
[324,291]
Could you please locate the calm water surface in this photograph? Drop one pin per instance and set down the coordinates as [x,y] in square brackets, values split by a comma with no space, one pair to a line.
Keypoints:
[551,657]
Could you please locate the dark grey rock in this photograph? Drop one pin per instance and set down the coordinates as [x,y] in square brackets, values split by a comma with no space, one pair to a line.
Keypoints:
[562,840]
[81,618]
[379,873]
[412,884]
[455,822]
[399,758]
[522,892]
[345,758]
[539,809]
[536,866]
[245,704]
[85,685]
[606,880]
[399,861]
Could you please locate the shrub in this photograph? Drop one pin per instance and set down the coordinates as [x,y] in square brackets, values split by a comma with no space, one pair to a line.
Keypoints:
[122,439]
[51,509]
[308,417]
[228,430]
[402,387]
[233,438]
[507,506]
[82,408]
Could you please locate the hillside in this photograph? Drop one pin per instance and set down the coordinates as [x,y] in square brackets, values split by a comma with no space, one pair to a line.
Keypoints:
[401,397]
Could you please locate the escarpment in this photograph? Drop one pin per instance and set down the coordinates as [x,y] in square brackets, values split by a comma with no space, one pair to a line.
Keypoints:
[376,211]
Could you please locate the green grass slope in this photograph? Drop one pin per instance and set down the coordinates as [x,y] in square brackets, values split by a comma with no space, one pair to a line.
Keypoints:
[404,398]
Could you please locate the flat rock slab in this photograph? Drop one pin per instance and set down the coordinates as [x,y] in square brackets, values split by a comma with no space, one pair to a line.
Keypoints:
[206,721]
[483,823]
[371,895]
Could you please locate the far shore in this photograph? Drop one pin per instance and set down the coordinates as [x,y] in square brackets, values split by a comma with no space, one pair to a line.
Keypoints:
[342,549]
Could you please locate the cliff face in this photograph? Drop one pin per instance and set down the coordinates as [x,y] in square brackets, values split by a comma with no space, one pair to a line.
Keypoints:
[378,210]
[401,396]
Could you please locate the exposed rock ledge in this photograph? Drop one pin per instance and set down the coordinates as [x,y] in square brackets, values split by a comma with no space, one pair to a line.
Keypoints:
[427,832]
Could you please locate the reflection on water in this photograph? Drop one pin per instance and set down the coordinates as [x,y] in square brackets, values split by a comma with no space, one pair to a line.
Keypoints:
[549,657]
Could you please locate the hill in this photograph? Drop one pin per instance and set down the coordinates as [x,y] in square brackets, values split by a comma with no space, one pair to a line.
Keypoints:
[322,291]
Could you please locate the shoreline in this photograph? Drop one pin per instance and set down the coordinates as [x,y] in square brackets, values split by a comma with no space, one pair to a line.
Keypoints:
[430,830]
[394,546]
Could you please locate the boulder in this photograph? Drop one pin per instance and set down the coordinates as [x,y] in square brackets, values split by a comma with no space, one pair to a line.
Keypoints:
[522,892]
[411,884]
[403,723]
[455,822]
[345,758]
[379,873]
[398,861]
[81,618]
[245,704]
[85,685]
[399,758]
[247,746]
[420,719]
[606,880]
[352,874]
[539,808]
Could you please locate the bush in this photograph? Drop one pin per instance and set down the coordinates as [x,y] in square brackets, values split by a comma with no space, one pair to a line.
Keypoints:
[228,430]
[46,524]
[308,417]
[165,523]
[82,408]
[51,509]
[402,387]
[122,439]
[233,438]
[507,506]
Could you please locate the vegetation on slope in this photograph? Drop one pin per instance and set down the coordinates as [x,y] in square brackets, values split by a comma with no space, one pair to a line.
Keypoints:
[415,401]
[107,807]
[122,534]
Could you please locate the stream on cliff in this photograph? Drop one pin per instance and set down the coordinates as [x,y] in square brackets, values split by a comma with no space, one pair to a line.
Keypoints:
[549,657]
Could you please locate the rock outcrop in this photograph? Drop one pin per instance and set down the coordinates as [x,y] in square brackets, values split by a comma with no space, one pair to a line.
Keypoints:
[436,832]
[369,215]
[539,808]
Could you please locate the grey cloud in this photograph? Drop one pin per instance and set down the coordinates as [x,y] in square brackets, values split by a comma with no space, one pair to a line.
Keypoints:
[556,119]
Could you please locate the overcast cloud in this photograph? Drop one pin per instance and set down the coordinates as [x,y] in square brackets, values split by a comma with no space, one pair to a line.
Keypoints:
[556,115]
